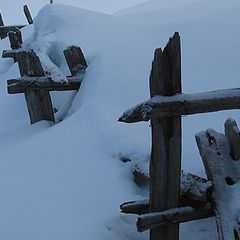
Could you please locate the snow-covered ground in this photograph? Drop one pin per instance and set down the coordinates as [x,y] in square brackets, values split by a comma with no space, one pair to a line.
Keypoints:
[66,181]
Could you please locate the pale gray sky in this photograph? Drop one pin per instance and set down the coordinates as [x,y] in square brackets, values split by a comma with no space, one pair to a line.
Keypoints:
[13,14]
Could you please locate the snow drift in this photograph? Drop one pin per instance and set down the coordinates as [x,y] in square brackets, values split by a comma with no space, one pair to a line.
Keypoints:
[66,181]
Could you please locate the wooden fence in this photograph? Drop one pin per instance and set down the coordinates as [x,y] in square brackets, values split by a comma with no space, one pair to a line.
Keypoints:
[164,209]
[35,84]
[4,30]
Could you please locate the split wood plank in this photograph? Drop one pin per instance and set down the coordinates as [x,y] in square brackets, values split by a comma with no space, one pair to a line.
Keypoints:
[75,60]
[22,84]
[183,104]
[165,164]
[38,101]
[224,173]
[173,216]
[195,191]
[27,14]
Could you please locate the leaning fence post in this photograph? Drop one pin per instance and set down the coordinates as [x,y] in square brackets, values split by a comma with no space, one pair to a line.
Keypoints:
[165,165]
[27,14]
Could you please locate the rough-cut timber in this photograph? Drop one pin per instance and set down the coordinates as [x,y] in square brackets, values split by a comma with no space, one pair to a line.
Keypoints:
[233,136]
[165,164]
[194,190]
[183,104]
[27,14]
[20,85]
[9,54]
[173,216]
[29,64]
[224,172]
[38,101]
[15,38]
[75,60]
[4,30]
[136,207]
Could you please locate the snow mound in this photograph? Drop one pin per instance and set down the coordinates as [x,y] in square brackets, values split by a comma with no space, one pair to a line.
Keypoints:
[66,181]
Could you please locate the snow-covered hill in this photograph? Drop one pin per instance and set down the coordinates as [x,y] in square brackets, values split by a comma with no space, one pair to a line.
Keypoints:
[66,181]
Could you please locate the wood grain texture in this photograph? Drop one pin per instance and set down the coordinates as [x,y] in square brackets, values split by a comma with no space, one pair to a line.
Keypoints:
[42,83]
[173,216]
[183,104]
[224,173]
[39,102]
[165,164]
[75,60]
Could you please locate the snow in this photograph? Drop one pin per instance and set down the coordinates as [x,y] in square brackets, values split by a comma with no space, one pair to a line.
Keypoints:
[66,181]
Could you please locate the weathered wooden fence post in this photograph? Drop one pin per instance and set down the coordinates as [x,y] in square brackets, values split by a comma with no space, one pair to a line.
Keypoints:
[165,166]
[27,14]
[39,103]
[15,38]
[75,60]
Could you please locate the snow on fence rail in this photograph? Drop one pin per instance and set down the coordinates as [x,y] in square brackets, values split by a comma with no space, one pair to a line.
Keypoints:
[35,84]
[164,210]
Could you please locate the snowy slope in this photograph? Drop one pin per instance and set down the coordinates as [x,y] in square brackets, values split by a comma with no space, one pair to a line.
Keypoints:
[66,181]
[13,16]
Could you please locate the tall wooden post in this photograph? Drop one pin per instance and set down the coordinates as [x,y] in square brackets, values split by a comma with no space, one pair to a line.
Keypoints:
[39,102]
[165,165]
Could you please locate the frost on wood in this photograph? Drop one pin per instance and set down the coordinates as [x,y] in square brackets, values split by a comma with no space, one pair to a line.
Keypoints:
[224,173]
[183,104]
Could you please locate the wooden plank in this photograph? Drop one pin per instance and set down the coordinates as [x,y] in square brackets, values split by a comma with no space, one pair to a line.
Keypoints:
[183,104]
[233,136]
[39,102]
[224,173]
[194,190]
[136,207]
[39,105]
[42,83]
[75,60]
[173,216]
[15,38]
[9,54]
[4,30]
[165,164]
[29,64]
[27,14]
